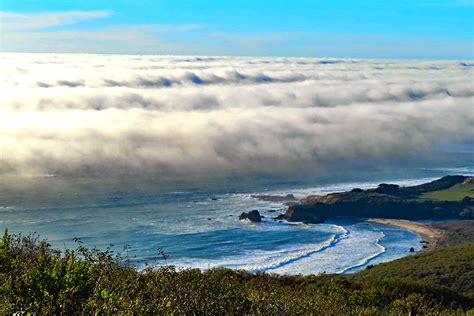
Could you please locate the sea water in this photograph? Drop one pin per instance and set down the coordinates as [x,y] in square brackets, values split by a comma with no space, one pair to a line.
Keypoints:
[196,223]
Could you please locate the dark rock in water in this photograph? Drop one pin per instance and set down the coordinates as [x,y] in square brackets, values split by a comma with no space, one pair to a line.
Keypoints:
[281,216]
[467,200]
[214,199]
[209,219]
[302,216]
[253,216]
[412,249]
[357,190]
[272,211]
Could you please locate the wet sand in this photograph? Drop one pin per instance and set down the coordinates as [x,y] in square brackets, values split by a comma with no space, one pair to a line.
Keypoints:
[430,236]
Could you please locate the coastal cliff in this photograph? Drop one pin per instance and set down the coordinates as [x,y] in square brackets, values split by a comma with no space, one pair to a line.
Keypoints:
[386,201]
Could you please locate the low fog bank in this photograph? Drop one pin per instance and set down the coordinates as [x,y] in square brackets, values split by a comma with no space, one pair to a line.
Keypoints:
[73,114]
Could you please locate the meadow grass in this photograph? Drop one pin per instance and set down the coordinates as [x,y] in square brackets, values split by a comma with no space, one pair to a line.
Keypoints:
[455,193]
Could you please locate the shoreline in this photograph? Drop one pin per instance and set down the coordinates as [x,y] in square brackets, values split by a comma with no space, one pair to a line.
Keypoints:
[429,235]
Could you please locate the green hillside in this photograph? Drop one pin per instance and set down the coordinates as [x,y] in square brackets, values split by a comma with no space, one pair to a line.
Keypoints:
[454,193]
[452,267]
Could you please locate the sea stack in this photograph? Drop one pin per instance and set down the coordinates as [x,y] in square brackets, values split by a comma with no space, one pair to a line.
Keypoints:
[253,216]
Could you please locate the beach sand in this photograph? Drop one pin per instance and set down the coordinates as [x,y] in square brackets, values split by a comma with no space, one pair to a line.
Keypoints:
[430,236]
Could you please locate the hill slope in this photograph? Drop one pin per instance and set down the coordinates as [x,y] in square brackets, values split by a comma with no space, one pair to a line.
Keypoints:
[451,267]
[454,193]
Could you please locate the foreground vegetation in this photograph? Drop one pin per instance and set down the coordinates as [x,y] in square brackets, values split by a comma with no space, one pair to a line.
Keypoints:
[36,279]
[452,267]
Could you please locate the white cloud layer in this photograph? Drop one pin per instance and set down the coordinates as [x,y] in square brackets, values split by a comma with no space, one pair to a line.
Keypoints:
[104,113]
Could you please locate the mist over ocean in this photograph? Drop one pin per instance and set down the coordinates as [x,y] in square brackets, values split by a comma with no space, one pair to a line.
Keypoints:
[166,152]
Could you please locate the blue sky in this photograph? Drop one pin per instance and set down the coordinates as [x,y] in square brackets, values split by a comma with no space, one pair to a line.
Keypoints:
[365,28]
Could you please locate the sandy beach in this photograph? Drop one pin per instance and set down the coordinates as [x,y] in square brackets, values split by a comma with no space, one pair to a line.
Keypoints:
[430,235]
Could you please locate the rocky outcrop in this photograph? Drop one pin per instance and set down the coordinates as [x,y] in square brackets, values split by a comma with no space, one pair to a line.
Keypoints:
[385,201]
[253,216]
[275,198]
[302,215]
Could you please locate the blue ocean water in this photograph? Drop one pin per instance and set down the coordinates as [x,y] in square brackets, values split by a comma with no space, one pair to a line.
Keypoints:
[196,223]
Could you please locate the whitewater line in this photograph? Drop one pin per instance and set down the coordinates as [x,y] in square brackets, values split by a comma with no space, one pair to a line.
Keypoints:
[344,234]
[366,260]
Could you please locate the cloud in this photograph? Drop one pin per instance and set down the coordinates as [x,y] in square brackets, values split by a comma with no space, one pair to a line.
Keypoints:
[44,32]
[133,39]
[73,113]
[13,21]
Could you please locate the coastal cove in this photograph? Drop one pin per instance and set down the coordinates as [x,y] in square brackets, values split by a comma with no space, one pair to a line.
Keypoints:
[331,250]
[200,228]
